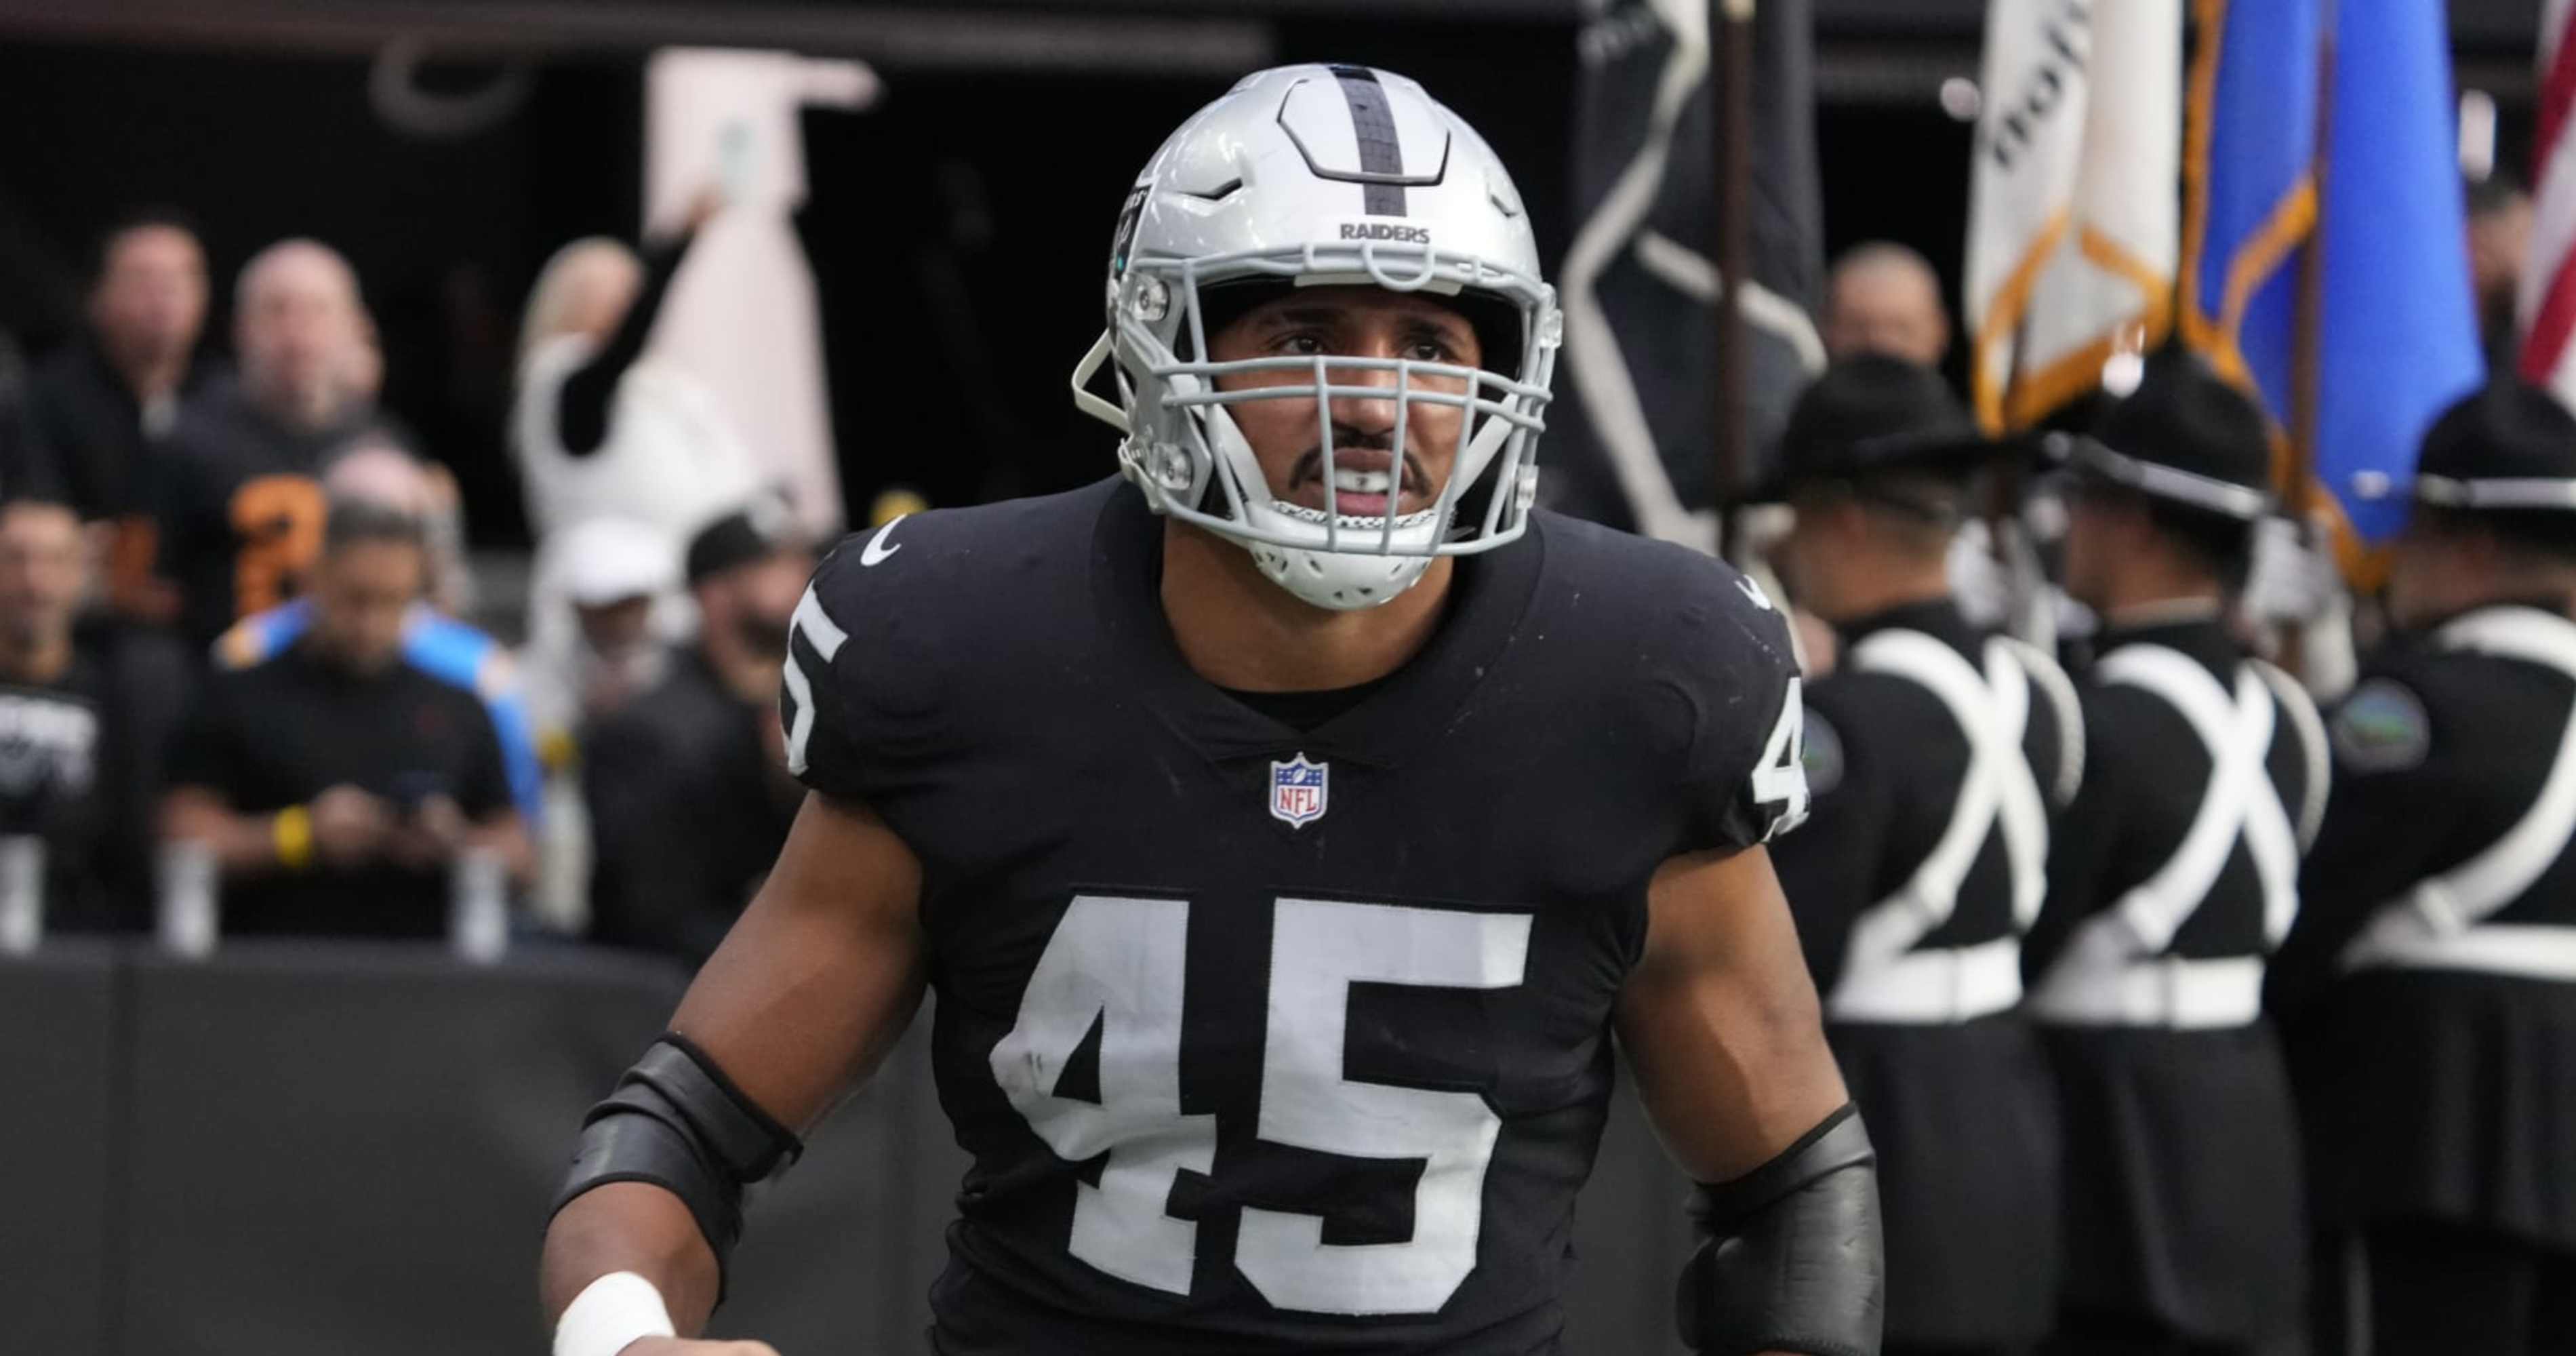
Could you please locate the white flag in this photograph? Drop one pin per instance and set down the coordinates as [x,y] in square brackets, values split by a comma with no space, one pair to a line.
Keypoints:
[2073,234]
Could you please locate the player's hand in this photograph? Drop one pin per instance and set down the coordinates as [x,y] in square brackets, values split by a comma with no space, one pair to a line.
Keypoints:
[349,826]
[681,1346]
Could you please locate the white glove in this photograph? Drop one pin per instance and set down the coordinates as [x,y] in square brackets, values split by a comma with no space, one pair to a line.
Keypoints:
[2292,582]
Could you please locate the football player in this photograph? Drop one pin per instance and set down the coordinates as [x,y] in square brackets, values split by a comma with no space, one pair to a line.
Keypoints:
[1287,832]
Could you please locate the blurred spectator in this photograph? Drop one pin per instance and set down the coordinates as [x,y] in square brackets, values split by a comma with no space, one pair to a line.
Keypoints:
[2499,242]
[613,570]
[238,505]
[380,470]
[81,717]
[433,640]
[1884,298]
[337,783]
[603,430]
[96,406]
[688,788]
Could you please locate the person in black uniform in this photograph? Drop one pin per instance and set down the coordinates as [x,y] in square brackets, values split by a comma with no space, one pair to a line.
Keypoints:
[1938,756]
[336,784]
[1284,863]
[2429,988]
[2171,879]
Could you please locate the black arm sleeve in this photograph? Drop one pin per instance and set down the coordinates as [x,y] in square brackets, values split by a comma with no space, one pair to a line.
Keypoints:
[1794,1259]
[582,405]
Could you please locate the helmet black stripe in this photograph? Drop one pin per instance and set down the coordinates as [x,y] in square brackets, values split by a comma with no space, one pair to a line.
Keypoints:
[1381,153]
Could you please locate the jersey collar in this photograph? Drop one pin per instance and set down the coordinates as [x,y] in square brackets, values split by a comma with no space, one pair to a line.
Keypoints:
[1417,701]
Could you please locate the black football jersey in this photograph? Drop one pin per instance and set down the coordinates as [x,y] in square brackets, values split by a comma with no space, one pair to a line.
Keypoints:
[1266,1040]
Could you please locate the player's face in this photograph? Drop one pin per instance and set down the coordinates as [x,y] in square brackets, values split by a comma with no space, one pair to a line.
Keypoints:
[362,594]
[1369,467]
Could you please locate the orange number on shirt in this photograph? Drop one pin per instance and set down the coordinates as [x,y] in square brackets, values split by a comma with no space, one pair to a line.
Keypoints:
[277,529]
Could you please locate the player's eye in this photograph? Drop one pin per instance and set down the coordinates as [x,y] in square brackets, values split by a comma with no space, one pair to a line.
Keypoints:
[1300,343]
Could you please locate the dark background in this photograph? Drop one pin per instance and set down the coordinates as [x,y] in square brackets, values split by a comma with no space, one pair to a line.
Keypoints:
[956,229]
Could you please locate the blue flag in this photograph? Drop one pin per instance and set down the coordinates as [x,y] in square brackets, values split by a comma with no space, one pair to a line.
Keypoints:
[2250,188]
[2399,334]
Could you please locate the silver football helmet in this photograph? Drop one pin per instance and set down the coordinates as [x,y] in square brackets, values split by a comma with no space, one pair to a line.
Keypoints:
[1311,176]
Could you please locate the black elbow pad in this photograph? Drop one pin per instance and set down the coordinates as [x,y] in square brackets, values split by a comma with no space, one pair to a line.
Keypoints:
[1793,1261]
[676,1121]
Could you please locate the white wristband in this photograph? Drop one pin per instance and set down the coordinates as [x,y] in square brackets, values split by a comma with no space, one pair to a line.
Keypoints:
[611,1314]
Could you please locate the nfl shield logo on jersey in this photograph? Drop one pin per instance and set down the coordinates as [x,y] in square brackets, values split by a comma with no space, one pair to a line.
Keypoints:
[1297,791]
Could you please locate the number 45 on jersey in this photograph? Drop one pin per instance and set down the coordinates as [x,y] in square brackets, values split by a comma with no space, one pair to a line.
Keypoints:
[1118,964]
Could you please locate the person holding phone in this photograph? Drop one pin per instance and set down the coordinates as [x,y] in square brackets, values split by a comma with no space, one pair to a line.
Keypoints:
[336,783]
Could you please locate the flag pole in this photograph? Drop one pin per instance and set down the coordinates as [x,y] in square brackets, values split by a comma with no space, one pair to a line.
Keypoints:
[2307,340]
[1731,224]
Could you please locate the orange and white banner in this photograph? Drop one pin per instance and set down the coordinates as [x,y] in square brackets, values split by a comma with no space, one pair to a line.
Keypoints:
[2074,207]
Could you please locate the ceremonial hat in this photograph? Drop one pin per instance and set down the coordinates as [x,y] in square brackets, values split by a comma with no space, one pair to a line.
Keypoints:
[2184,436]
[2508,447]
[1872,414]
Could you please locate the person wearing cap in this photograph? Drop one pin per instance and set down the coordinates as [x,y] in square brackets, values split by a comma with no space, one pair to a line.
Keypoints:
[615,574]
[2428,990]
[2172,877]
[1939,755]
[687,784]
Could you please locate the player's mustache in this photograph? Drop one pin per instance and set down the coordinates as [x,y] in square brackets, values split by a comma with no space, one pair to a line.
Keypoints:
[1348,440]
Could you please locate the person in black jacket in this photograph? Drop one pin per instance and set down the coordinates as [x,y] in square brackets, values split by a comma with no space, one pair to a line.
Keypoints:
[2173,877]
[1939,755]
[687,784]
[95,408]
[2428,991]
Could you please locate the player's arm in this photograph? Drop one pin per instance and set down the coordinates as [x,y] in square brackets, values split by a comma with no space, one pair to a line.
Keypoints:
[807,994]
[1722,1028]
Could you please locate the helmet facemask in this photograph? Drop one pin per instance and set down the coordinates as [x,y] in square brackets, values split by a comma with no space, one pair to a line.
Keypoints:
[1187,452]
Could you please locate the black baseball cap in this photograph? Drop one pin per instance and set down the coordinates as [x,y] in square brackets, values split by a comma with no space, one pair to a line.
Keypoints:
[754,532]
